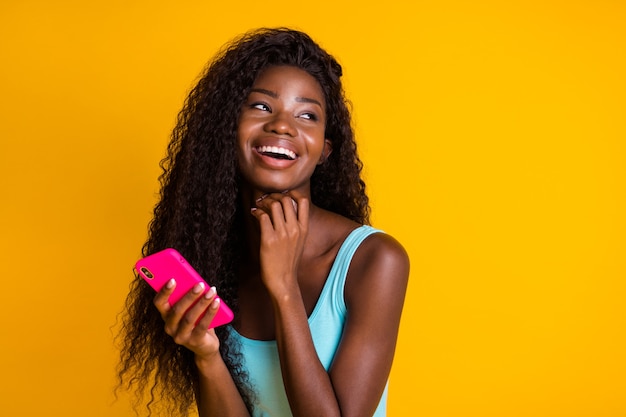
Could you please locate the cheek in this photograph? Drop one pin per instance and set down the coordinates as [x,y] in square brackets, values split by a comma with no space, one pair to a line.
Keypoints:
[243,133]
[240,148]
[246,129]
[317,143]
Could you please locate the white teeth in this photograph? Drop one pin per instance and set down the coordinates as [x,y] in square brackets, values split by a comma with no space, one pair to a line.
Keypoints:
[277,150]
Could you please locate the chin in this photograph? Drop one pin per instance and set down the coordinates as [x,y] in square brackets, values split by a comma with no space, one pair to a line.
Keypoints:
[274,189]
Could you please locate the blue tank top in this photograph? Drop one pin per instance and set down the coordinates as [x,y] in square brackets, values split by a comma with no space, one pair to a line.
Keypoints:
[326,322]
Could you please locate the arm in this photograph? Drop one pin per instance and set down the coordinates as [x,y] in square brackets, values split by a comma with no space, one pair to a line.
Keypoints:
[374,294]
[216,394]
[307,384]
[353,386]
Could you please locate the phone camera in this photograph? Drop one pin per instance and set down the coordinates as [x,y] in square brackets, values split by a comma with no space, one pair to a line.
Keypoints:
[146,272]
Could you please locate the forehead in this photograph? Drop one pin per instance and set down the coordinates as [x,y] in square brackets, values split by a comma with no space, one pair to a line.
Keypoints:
[287,79]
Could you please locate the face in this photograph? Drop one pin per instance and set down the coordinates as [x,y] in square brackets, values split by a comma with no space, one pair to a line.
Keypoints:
[281,131]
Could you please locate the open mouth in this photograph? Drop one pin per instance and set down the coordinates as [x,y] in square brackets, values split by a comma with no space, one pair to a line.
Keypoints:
[276,152]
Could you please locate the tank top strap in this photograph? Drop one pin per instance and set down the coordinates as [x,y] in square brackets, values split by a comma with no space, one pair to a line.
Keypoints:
[333,290]
[348,249]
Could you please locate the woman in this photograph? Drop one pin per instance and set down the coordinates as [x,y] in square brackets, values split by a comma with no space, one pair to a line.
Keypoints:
[261,192]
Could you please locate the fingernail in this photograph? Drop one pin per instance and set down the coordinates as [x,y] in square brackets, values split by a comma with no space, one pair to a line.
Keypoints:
[253,209]
[215,304]
[197,289]
[210,293]
[170,283]
[261,198]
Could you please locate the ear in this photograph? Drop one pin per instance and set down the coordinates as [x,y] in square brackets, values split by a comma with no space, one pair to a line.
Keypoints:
[326,151]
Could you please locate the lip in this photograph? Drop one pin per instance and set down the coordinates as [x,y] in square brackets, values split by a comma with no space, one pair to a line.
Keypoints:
[273,162]
[277,150]
[282,145]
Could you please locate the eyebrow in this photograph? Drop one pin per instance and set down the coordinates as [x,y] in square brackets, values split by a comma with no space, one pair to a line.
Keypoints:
[273,94]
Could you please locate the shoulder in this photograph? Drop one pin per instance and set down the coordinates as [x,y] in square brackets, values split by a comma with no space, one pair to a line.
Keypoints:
[381,264]
[381,247]
[381,252]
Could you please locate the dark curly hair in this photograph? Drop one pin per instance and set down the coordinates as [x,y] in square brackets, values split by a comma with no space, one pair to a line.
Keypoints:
[199,212]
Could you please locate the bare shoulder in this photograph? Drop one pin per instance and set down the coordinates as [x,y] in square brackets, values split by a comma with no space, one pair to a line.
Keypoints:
[380,263]
[381,252]
[381,247]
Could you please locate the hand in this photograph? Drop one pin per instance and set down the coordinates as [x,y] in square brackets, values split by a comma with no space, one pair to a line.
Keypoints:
[284,225]
[188,320]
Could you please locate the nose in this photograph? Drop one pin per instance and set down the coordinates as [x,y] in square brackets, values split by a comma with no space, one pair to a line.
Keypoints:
[281,124]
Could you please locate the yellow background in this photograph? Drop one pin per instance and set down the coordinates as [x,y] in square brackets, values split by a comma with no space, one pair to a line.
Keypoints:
[493,134]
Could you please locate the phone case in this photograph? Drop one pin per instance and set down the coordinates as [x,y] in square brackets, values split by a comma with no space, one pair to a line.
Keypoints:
[157,269]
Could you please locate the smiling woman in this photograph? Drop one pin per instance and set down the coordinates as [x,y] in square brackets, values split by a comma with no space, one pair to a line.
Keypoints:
[281,131]
[278,221]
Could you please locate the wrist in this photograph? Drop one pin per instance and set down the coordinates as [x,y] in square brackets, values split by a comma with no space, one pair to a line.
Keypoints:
[287,300]
[206,363]
[283,290]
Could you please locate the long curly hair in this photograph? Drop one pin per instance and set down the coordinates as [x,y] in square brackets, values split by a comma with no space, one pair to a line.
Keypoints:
[200,215]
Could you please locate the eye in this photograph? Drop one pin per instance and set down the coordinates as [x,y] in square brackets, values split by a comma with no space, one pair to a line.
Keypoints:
[260,106]
[309,116]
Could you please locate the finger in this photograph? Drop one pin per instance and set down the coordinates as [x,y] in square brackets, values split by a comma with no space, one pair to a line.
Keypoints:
[161,299]
[265,221]
[209,313]
[265,201]
[195,313]
[180,307]
[293,200]
[289,209]
[303,205]
[273,206]
[266,224]
[277,214]
[261,198]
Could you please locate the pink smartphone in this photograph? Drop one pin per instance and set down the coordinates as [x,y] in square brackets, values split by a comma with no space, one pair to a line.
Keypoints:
[157,269]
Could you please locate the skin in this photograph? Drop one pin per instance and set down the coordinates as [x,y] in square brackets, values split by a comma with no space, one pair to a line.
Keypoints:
[291,248]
